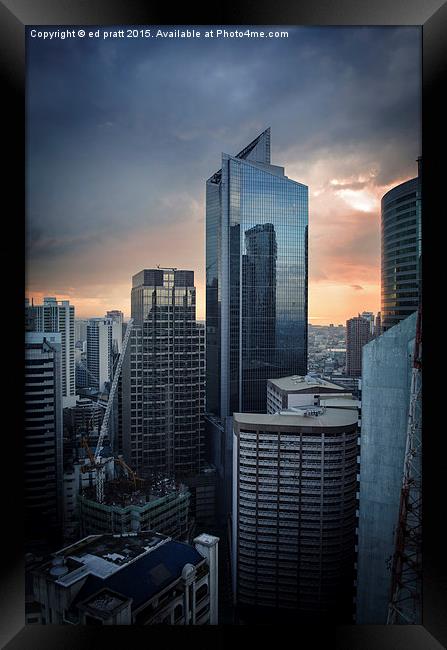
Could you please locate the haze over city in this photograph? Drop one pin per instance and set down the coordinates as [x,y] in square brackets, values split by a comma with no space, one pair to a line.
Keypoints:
[122,136]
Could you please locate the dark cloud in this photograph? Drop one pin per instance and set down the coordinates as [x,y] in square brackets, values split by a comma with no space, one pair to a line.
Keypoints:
[122,134]
[357,287]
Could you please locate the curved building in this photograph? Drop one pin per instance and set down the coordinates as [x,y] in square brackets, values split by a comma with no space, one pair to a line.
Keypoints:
[294,513]
[401,250]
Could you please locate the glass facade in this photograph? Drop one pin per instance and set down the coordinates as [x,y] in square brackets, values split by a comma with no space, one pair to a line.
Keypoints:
[401,251]
[257,221]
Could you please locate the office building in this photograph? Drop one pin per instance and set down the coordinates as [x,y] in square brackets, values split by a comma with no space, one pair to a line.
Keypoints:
[369,316]
[43,435]
[285,392]
[256,279]
[378,325]
[133,579]
[163,377]
[358,333]
[99,353]
[401,251]
[387,366]
[80,330]
[117,318]
[294,514]
[58,316]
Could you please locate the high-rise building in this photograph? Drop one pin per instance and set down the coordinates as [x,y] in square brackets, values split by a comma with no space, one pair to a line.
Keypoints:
[256,279]
[58,316]
[80,330]
[43,435]
[164,375]
[117,318]
[378,325]
[401,251]
[386,380]
[358,333]
[369,316]
[99,352]
[294,513]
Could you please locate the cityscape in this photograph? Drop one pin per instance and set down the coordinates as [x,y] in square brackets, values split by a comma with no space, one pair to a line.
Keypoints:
[214,456]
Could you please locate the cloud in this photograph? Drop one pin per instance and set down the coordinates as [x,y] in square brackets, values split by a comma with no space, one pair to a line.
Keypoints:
[357,287]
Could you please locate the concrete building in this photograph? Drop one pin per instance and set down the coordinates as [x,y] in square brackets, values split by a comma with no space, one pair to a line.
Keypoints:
[256,279]
[369,316]
[43,451]
[80,330]
[401,250]
[387,365]
[134,579]
[163,379]
[358,333]
[117,318]
[99,352]
[286,392]
[58,316]
[131,507]
[294,514]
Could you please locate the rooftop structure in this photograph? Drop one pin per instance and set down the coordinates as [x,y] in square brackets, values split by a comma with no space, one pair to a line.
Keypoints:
[131,578]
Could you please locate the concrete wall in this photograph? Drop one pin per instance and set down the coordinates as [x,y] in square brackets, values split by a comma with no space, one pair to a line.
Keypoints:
[386,378]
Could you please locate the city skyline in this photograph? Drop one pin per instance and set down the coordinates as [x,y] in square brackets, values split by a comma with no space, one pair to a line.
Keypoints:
[345,121]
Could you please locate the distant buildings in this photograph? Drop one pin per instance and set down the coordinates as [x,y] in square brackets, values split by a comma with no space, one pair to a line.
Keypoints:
[117,318]
[387,364]
[43,435]
[132,579]
[294,513]
[358,333]
[164,377]
[401,251]
[58,316]
[99,352]
[256,278]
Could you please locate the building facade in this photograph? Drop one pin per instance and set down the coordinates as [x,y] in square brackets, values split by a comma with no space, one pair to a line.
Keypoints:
[134,579]
[387,365]
[286,392]
[294,513]
[164,377]
[401,251]
[99,352]
[358,333]
[117,318]
[58,316]
[43,439]
[256,279]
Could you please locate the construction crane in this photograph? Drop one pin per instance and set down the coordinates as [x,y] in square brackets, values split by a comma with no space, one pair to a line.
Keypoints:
[406,583]
[130,472]
[95,460]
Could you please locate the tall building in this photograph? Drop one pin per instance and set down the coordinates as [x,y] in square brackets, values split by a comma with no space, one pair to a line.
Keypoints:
[163,380]
[256,279]
[294,513]
[133,579]
[401,251]
[80,330]
[58,316]
[117,318]
[358,333]
[369,316]
[386,380]
[43,435]
[378,325]
[99,352]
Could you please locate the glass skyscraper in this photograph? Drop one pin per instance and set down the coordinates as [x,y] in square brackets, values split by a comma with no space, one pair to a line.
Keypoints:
[256,279]
[401,251]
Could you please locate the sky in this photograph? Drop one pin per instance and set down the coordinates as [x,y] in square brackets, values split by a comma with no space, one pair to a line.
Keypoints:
[122,135]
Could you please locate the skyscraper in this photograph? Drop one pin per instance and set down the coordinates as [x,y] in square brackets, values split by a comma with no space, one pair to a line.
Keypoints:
[386,382]
[256,279]
[294,512]
[358,333]
[99,352]
[117,318]
[401,251]
[43,434]
[58,316]
[163,381]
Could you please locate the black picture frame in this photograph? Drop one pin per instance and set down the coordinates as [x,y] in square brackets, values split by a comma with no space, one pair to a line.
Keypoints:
[15,15]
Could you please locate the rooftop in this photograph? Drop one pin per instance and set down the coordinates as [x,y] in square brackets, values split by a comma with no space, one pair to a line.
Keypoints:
[298,383]
[328,417]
